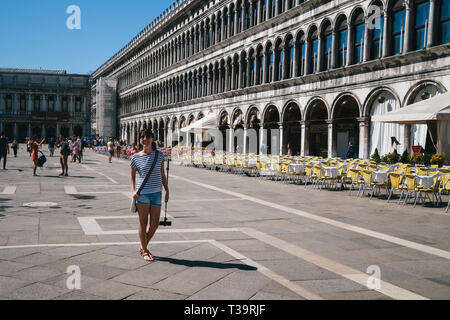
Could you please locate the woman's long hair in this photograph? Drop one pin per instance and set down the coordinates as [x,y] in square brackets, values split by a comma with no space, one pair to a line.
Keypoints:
[147,132]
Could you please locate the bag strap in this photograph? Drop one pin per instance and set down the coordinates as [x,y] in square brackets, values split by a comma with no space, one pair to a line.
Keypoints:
[149,173]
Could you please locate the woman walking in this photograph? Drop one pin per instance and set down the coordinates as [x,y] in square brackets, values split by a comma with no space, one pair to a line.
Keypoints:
[148,202]
[110,149]
[15,147]
[63,158]
[34,145]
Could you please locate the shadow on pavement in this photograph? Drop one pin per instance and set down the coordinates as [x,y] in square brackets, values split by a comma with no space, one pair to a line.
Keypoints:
[82,197]
[206,264]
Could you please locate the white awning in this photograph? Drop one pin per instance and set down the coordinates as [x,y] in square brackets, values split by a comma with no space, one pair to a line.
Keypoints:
[205,123]
[436,108]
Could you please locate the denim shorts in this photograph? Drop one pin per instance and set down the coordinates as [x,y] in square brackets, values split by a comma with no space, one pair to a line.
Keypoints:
[150,199]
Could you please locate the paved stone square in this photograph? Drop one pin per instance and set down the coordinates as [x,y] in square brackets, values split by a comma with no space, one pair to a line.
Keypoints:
[232,237]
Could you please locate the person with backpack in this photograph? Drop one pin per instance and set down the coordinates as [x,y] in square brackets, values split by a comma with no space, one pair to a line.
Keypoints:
[34,152]
[65,151]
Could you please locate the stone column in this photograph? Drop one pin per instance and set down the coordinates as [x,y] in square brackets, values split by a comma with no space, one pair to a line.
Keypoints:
[58,129]
[15,106]
[1,127]
[276,7]
[57,103]
[408,30]
[43,131]
[71,130]
[281,137]
[70,102]
[308,57]
[29,130]
[233,71]
[2,107]
[330,138]
[231,139]
[386,34]
[249,72]
[14,129]
[407,138]
[244,149]
[235,21]
[431,24]
[319,53]
[366,56]
[29,103]
[240,80]
[260,11]
[364,137]
[349,44]
[304,138]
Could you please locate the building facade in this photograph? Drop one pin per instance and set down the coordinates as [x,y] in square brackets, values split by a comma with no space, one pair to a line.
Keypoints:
[43,103]
[312,71]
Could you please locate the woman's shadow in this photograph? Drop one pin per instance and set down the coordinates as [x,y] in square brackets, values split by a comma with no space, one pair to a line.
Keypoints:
[206,264]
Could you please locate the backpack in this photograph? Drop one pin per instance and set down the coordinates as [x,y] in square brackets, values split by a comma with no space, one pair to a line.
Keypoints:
[65,150]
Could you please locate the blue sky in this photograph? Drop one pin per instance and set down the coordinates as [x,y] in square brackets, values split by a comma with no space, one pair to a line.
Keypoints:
[33,33]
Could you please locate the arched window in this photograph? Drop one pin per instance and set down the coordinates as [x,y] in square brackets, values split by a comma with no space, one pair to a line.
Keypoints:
[342,33]
[444,26]
[207,38]
[264,10]
[279,60]
[301,49]
[260,67]
[289,59]
[422,25]
[255,9]
[252,62]
[248,17]
[327,47]
[358,38]
[270,64]
[314,40]
[243,71]
[219,29]
[398,27]
[232,17]
[239,17]
[272,11]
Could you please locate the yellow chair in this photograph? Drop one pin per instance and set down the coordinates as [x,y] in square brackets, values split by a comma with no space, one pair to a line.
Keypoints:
[445,187]
[395,180]
[368,183]
[410,186]
[318,176]
[433,190]
[356,180]
[309,174]
[422,171]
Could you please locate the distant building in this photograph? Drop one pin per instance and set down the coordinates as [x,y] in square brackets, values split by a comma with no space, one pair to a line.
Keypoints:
[43,103]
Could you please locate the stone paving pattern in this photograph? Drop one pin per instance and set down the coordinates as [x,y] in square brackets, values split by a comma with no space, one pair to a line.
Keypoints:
[198,271]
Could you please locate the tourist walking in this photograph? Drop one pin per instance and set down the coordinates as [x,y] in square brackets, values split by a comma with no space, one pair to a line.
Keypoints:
[63,144]
[51,147]
[148,200]
[15,147]
[4,149]
[110,149]
[35,152]
[29,146]
[350,150]
[118,147]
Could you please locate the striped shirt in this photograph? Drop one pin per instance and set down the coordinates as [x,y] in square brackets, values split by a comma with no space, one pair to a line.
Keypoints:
[143,164]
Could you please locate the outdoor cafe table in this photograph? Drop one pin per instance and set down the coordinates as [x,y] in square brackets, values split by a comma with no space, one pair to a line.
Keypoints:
[296,167]
[332,172]
[379,176]
[425,181]
[250,163]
